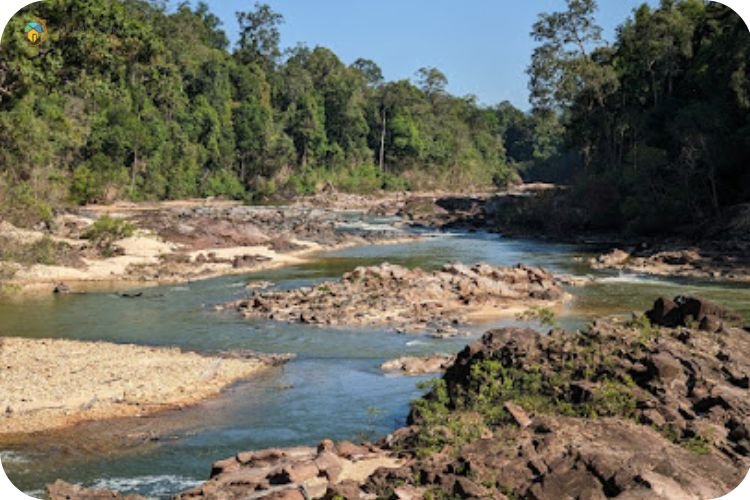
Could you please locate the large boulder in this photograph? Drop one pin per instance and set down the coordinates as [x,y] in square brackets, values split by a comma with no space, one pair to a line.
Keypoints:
[684,311]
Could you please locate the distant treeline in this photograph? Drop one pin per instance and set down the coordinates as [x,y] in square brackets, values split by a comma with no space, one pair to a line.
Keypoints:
[127,99]
[655,128]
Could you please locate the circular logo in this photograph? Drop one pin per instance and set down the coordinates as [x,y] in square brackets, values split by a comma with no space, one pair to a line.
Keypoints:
[35,31]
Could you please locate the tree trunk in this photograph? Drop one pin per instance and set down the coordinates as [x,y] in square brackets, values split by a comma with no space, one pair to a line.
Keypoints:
[133,172]
[382,144]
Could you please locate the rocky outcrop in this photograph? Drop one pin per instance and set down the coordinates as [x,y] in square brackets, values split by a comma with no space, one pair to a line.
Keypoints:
[199,228]
[410,299]
[621,408]
[293,473]
[60,490]
[613,258]
[562,457]
[418,365]
[728,260]
[683,311]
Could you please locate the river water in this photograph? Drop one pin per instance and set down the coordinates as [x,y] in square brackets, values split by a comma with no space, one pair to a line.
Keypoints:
[332,389]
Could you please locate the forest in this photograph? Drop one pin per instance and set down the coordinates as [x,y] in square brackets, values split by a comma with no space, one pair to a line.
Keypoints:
[133,100]
[129,100]
[654,129]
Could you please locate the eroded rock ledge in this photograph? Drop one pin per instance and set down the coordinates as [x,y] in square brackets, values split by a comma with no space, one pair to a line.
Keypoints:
[724,261]
[410,299]
[418,365]
[293,473]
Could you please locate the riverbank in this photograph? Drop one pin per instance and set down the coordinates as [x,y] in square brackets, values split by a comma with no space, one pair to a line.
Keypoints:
[714,249]
[53,383]
[638,408]
[175,242]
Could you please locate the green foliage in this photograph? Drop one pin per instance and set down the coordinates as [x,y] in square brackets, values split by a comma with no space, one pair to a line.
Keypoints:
[646,331]
[612,399]
[698,445]
[691,441]
[22,207]
[453,416]
[129,99]
[108,229]
[652,139]
[542,315]
[45,251]
[224,184]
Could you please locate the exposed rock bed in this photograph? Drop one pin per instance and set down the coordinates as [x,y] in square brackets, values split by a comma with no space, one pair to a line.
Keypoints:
[178,242]
[410,299]
[716,249]
[418,365]
[668,413]
[61,490]
[293,473]
[199,228]
[726,261]
[683,311]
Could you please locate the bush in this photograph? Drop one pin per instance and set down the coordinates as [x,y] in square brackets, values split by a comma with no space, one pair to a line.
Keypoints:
[23,208]
[393,182]
[646,331]
[541,315]
[107,229]
[42,251]
[361,179]
[225,184]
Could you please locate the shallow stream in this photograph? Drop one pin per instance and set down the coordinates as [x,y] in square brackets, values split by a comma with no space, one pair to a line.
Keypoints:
[332,389]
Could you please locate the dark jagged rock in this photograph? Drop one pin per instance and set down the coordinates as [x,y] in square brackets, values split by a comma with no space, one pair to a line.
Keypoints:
[661,414]
[683,310]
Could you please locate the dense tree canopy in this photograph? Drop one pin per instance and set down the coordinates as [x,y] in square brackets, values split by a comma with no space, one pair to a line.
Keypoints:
[129,99]
[658,122]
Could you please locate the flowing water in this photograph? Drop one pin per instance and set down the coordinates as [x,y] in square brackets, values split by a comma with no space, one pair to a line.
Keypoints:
[332,389]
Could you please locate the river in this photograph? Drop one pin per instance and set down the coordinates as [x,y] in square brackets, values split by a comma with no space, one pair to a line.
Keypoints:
[332,389]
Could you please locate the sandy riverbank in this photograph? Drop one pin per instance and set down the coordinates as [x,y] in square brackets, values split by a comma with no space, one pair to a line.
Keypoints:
[47,384]
[185,241]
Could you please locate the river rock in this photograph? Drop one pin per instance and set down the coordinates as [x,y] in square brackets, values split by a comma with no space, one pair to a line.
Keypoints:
[683,310]
[687,429]
[415,365]
[403,298]
[60,490]
[293,472]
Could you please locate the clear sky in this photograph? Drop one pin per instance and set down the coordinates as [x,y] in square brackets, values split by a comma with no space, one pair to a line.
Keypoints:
[483,46]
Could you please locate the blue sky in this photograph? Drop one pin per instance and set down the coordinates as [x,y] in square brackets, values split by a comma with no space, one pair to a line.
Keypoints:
[483,46]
